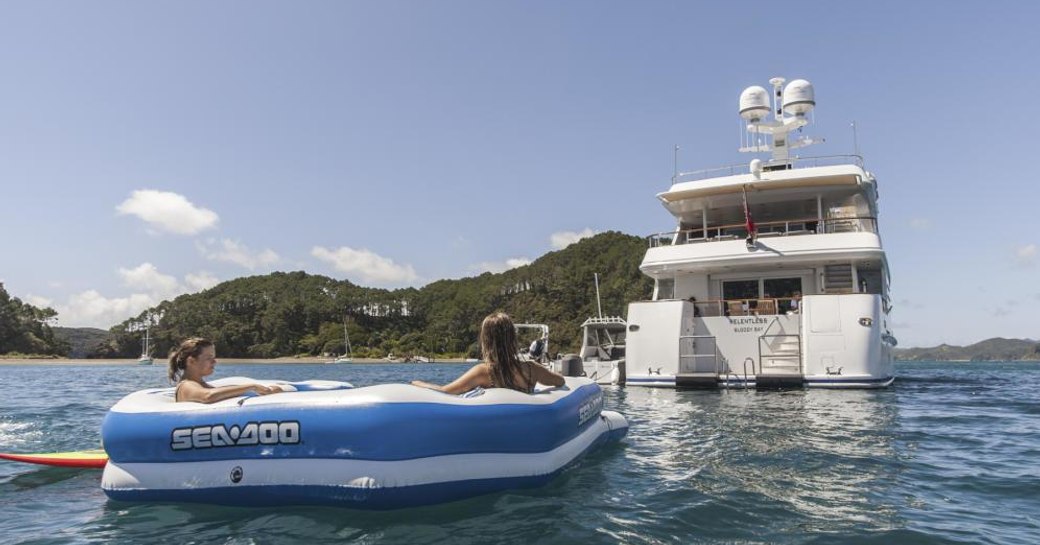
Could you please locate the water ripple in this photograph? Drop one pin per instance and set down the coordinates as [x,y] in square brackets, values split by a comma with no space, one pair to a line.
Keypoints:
[946,456]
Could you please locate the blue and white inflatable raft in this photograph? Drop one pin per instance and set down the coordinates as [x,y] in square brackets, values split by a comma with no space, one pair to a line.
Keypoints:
[378,447]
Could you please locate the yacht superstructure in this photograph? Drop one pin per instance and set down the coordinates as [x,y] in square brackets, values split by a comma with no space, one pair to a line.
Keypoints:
[774,275]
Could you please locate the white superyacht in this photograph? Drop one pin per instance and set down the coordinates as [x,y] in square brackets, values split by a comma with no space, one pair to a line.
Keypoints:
[774,275]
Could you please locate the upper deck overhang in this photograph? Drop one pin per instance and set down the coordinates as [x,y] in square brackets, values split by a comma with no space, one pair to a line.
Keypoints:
[773,252]
[827,176]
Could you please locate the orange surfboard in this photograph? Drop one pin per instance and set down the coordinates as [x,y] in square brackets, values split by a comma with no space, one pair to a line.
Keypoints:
[83,458]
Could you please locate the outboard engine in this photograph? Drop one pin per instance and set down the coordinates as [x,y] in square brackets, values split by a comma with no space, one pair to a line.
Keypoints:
[535,351]
[571,366]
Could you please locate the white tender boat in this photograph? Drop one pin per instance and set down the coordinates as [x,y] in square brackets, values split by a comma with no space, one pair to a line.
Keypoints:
[774,275]
[603,349]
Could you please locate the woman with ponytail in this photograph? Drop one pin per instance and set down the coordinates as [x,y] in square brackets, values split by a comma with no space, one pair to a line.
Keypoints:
[502,368]
[194,360]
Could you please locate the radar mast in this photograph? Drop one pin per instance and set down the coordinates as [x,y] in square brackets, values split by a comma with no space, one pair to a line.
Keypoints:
[789,107]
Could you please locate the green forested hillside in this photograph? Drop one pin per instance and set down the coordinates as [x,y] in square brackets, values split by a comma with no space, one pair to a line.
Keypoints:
[82,341]
[284,314]
[996,349]
[25,329]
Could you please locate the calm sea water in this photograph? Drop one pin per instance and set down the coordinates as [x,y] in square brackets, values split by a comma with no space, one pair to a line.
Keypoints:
[950,454]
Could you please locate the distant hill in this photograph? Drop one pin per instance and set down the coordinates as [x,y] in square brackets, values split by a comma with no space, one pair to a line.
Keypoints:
[82,341]
[997,349]
[296,313]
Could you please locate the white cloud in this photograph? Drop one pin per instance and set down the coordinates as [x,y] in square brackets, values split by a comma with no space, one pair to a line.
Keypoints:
[921,224]
[200,281]
[37,301]
[1026,255]
[148,278]
[564,239]
[168,212]
[233,251]
[500,266]
[369,266]
[91,309]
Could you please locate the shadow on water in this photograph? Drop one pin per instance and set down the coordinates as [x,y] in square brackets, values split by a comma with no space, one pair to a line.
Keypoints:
[41,476]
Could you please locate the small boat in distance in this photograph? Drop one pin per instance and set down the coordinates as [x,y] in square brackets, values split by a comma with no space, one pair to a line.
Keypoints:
[348,356]
[146,348]
[602,355]
[603,349]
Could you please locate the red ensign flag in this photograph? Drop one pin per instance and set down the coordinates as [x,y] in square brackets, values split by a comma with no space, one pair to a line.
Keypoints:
[748,222]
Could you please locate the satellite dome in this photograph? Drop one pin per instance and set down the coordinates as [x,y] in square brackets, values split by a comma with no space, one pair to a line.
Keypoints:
[754,103]
[799,97]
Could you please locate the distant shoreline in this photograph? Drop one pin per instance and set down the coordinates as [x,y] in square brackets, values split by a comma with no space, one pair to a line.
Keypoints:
[220,361]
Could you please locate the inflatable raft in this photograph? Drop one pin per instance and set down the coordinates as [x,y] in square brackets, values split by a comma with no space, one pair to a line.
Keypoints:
[378,447]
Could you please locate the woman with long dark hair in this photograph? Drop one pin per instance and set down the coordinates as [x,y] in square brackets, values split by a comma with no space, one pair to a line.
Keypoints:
[502,367]
[194,360]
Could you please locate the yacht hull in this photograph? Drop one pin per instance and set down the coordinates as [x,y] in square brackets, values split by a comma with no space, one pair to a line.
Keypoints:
[836,341]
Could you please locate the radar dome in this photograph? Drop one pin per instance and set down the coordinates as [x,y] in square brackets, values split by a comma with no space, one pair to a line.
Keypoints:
[799,98]
[754,103]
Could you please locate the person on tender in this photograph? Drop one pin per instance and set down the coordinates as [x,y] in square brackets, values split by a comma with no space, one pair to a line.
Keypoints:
[194,360]
[502,367]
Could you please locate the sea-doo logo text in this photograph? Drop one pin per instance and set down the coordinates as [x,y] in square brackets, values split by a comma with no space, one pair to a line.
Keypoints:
[253,433]
[590,408]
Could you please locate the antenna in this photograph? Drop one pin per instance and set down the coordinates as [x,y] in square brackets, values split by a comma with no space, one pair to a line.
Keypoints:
[778,95]
[675,164]
[855,138]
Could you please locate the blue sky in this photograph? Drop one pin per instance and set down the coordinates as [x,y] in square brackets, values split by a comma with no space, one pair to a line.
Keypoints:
[149,149]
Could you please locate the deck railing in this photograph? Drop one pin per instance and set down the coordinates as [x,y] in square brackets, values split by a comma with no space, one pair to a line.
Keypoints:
[769,306]
[805,226]
[745,168]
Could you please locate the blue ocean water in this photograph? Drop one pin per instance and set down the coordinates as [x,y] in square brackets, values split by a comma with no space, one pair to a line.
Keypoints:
[949,454]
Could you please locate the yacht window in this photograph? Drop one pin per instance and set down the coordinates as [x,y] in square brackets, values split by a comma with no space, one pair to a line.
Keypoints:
[740,289]
[869,280]
[665,289]
[781,289]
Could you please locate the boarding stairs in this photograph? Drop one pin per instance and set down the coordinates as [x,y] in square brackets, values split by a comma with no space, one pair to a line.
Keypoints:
[780,358]
[698,362]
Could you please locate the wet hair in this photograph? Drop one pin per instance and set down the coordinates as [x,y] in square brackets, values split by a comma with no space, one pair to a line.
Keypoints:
[189,348]
[499,346]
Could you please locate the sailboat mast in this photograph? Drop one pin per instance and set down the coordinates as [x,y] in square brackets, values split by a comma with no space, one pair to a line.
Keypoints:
[346,337]
[599,307]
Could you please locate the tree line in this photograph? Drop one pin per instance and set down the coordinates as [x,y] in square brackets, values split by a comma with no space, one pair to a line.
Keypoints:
[25,329]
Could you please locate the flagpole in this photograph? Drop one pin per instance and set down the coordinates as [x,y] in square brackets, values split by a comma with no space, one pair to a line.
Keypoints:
[749,223]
